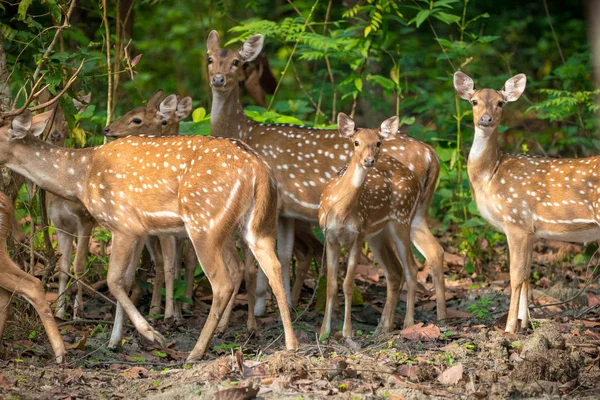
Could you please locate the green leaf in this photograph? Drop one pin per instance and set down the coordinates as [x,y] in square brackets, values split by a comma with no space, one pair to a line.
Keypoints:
[487,39]
[367,30]
[420,18]
[23,6]
[445,17]
[358,84]
[198,114]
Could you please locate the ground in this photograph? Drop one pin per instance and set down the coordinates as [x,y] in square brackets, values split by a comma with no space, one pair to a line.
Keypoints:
[466,356]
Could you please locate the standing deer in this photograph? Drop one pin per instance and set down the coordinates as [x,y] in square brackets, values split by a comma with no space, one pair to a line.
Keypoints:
[159,118]
[15,280]
[204,187]
[373,198]
[303,159]
[71,219]
[526,197]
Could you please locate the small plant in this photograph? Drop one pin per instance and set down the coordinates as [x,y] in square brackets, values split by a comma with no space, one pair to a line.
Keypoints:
[446,358]
[481,309]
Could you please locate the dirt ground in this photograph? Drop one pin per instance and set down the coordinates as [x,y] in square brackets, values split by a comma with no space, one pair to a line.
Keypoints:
[465,356]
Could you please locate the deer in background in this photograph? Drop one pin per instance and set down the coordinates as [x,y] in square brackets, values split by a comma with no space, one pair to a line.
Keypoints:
[70,218]
[373,198]
[160,117]
[137,186]
[526,197]
[303,159]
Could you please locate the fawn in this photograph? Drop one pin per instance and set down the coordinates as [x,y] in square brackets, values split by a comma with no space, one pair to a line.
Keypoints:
[373,198]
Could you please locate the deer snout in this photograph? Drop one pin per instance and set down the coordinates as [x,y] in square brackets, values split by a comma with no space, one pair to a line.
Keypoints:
[107,131]
[218,80]
[369,162]
[54,136]
[486,120]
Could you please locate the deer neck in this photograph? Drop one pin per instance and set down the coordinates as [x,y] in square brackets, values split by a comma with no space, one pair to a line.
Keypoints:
[227,118]
[483,157]
[56,169]
[347,189]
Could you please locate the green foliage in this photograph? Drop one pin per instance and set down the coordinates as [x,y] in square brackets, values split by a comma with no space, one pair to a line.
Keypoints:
[481,309]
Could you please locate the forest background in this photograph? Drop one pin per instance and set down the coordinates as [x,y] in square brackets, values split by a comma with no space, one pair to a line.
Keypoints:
[371,59]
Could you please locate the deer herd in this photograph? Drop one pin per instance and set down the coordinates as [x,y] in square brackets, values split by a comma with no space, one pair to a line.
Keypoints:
[267,186]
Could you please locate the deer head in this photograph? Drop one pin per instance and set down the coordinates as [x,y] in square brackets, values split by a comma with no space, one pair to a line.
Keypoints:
[224,65]
[19,127]
[160,117]
[366,142]
[488,103]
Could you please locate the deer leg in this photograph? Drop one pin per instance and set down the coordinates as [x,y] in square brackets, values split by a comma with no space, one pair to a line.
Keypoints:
[250,270]
[353,257]
[235,266]
[285,245]
[429,247]
[211,259]
[14,280]
[167,244]
[177,307]
[83,241]
[264,251]
[520,247]
[190,261]
[333,253]
[5,297]
[123,260]
[382,248]
[65,246]
[401,236]
[304,255]
[153,246]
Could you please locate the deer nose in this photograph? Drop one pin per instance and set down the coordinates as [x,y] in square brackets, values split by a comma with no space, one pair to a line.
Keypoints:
[106,131]
[485,120]
[369,162]
[218,80]
[55,136]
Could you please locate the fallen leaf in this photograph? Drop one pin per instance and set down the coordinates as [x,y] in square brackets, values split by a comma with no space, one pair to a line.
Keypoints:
[409,371]
[238,393]
[257,370]
[454,259]
[79,344]
[367,273]
[135,372]
[4,382]
[588,324]
[420,332]
[593,299]
[452,375]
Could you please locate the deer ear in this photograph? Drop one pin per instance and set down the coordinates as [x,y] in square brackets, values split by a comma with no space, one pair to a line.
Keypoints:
[464,85]
[389,127]
[40,121]
[346,126]
[252,47]
[514,87]
[82,102]
[167,107]
[212,43]
[184,108]
[154,102]
[20,125]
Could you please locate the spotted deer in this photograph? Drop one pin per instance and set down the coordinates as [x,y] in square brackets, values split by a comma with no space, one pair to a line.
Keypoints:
[303,159]
[203,187]
[373,198]
[526,197]
[13,280]
[160,117]
[71,219]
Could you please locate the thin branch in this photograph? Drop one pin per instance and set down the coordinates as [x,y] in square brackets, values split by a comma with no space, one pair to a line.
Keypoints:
[61,28]
[108,65]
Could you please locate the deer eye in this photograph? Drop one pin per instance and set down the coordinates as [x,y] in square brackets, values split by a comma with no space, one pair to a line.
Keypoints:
[163,123]
[236,63]
[356,143]
[474,102]
[378,144]
[210,60]
[500,104]
[137,120]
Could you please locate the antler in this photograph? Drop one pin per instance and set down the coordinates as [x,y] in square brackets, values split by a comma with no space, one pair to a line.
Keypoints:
[35,94]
